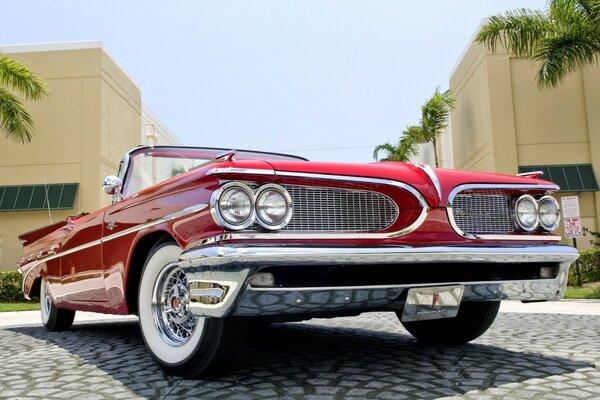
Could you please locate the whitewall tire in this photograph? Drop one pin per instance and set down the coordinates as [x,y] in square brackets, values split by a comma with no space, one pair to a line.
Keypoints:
[53,318]
[181,342]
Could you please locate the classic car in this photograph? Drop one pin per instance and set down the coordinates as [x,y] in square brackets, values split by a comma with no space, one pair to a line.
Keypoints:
[202,242]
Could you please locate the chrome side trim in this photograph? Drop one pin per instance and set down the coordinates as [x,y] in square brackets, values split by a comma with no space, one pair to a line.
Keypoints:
[432,176]
[460,188]
[179,214]
[124,232]
[244,171]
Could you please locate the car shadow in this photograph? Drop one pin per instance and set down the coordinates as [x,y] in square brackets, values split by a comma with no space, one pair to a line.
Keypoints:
[296,360]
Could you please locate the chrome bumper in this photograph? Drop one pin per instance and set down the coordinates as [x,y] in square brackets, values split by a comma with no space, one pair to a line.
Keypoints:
[218,277]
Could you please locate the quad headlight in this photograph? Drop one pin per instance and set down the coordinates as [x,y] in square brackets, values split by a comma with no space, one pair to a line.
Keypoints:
[232,206]
[273,207]
[531,214]
[526,213]
[236,206]
[549,213]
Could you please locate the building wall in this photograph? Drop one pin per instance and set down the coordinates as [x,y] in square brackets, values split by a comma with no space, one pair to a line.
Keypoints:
[502,120]
[154,132]
[83,128]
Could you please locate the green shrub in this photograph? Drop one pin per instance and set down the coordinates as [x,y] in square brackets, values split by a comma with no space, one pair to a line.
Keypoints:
[10,287]
[589,266]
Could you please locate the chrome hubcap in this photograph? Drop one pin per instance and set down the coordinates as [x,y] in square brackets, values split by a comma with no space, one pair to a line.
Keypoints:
[172,315]
[47,303]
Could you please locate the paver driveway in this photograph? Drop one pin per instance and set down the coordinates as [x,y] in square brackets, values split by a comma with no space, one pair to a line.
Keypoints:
[549,356]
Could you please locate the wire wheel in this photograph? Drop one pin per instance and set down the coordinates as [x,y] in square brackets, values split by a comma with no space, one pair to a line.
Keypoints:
[171,308]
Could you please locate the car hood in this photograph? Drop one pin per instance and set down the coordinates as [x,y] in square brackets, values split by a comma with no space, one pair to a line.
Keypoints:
[435,185]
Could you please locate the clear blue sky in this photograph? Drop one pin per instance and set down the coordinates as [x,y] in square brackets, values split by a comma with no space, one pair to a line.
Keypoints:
[328,80]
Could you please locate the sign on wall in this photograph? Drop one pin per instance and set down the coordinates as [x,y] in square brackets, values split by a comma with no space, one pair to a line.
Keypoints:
[571,217]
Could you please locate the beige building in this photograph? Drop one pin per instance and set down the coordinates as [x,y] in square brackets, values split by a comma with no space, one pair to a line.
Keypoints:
[503,123]
[93,115]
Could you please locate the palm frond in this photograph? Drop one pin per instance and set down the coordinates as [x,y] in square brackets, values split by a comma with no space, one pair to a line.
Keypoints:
[16,76]
[590,8]
[435,114]
[559,56]
[386,147]
[14,119]
[517,30]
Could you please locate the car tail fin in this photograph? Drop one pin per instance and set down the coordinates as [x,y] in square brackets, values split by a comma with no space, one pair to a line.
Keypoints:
[36,234]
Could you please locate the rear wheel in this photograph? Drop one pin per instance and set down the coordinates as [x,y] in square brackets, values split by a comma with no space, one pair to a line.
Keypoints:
[54,318]
[473,319]
[181,342]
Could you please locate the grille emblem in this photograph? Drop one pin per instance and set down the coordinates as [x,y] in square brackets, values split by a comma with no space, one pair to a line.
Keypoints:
[435,297]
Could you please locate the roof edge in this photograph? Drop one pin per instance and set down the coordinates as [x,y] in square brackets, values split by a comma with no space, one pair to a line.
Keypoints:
[56,46]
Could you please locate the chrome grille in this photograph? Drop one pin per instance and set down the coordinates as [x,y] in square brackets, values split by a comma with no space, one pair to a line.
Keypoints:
[328,209]
[483,213]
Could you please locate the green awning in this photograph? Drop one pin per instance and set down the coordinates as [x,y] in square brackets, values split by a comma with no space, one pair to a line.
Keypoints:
[570,178]
[55,196]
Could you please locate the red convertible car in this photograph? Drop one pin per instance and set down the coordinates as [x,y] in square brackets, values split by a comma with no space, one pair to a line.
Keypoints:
[200,242]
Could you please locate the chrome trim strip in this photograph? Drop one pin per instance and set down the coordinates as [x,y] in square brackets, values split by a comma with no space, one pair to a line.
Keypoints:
[245,171]
[470,186]
[308,235]
[432,176]
[264,256]
[380,181]
[185,212]
[524,238]
[405,285]
[460,188]
[124,232]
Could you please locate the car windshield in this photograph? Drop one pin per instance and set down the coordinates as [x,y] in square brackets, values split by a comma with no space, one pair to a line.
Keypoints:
[147,166]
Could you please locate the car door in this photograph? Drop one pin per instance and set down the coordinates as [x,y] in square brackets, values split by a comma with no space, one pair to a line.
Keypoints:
[82,278]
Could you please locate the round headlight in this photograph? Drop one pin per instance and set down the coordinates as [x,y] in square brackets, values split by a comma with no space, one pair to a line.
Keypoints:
[549,213]
[526,213]
[232,206]
[273,207]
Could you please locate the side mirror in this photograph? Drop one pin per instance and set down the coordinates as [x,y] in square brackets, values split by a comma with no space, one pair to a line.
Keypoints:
[112,186]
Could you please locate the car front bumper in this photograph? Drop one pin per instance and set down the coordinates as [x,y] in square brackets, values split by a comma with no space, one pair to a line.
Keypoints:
[218,277]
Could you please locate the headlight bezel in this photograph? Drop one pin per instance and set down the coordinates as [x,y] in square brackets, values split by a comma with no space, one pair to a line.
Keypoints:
[216,209]
[519,224]
[288,201]
[557,222]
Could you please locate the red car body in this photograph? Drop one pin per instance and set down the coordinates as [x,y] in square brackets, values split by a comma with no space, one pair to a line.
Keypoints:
[95,261]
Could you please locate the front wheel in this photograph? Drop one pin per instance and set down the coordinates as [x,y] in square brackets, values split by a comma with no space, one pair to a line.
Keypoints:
[54,318]
[181,342]
[473,319]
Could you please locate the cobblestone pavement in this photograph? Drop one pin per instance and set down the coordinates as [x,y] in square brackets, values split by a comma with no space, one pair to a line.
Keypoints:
[537,356]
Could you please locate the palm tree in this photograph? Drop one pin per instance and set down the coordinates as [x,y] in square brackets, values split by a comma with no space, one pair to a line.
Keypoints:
[435,115]
[15,121]
[561,39]
[406,148]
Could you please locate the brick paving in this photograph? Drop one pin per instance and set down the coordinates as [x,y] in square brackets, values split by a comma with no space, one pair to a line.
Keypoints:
[525,356]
